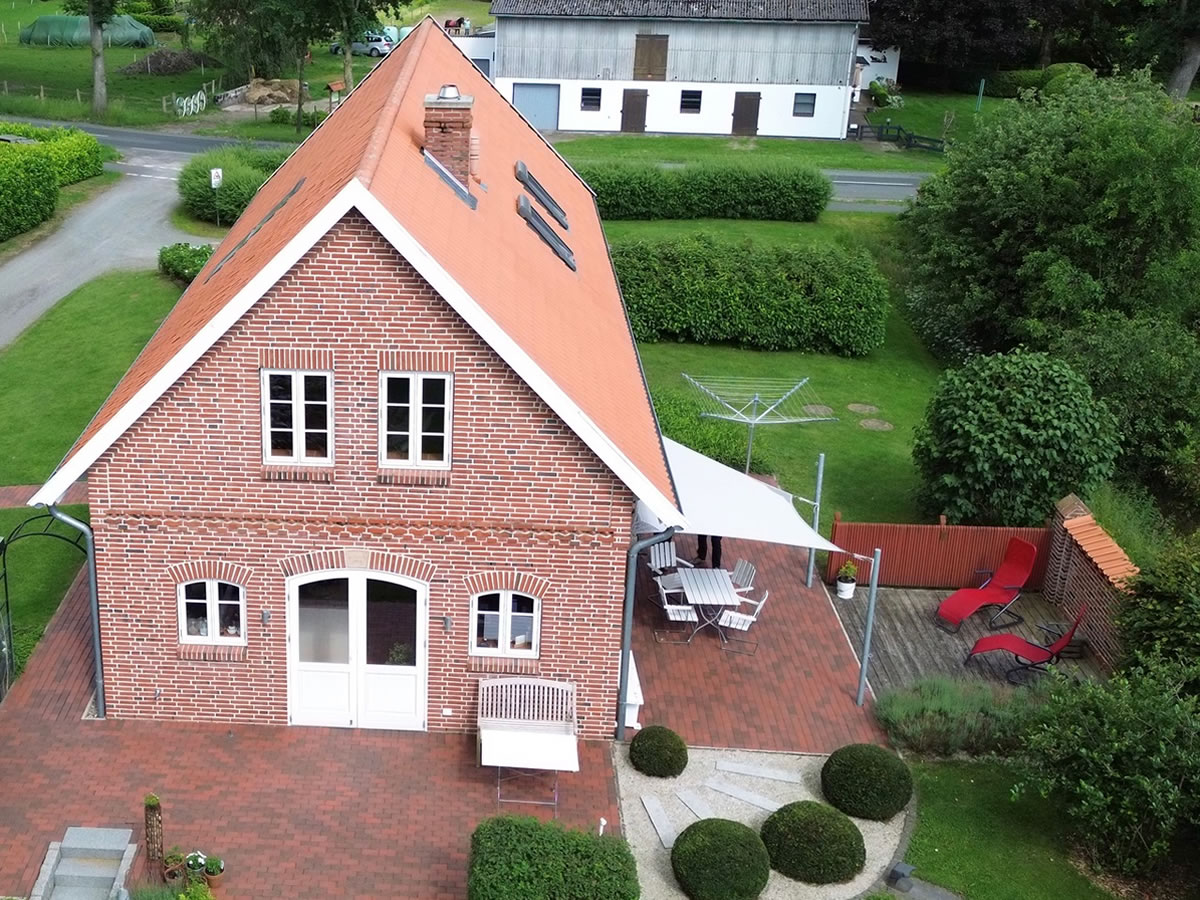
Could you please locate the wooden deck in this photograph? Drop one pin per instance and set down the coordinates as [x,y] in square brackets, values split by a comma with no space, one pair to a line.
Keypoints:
[907,646]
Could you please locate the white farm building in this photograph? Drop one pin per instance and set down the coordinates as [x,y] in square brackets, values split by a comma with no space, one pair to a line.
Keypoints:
[766,67]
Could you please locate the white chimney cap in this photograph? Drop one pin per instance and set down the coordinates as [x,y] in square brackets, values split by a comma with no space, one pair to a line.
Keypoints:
[449,92]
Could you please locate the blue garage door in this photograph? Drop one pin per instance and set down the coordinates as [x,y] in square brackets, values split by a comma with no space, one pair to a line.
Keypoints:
[538,103]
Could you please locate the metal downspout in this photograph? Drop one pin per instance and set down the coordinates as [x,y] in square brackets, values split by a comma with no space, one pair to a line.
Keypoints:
[86,531]
[627,624]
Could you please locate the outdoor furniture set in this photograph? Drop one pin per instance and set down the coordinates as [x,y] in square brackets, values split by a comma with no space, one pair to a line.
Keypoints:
[697,598]
[1000,590]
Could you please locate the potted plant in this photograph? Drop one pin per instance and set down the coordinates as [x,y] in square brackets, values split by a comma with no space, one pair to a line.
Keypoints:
[846,581]
[173,872]
[195,865]
[214,870]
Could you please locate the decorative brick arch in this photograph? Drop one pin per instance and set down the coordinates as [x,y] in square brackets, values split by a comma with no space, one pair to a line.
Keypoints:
[215,569]
[358,558]
[507,580]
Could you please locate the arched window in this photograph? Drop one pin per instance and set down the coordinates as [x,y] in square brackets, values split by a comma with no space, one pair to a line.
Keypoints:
[505,623]
[212,612]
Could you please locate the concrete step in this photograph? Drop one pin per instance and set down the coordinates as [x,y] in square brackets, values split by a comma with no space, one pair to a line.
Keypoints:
[83,871]
[78,892]
[96,843]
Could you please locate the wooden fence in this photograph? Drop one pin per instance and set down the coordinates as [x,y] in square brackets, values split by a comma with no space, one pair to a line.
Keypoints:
[933,556]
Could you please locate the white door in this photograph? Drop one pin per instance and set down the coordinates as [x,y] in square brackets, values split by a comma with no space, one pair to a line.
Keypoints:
[357,651]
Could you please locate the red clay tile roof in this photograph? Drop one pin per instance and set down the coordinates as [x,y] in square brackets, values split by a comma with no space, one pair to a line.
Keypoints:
[1101,549]
[571,323]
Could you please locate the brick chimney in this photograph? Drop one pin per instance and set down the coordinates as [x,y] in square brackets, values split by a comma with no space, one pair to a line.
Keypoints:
[448,130]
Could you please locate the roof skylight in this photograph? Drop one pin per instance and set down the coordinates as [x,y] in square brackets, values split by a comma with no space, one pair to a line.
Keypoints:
[535,221]
[541,194]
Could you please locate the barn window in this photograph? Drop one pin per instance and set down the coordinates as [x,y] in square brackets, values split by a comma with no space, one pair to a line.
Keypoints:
[589,99]
[804,105]
[689,101]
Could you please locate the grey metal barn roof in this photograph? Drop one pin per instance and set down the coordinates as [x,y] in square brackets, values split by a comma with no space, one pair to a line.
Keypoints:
[750,10]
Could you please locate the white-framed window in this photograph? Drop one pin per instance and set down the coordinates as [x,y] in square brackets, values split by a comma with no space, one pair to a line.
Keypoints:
[804,105]
[505,623]
[589,99]
[689,101]
[212,612]
[297,417]
[414,419]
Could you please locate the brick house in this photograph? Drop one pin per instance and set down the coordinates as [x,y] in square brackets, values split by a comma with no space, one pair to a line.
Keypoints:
[389,439]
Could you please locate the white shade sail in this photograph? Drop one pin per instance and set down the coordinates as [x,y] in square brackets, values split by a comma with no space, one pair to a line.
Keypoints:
[718,500]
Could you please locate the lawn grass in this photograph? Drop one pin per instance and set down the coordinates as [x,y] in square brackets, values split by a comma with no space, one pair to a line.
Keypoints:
[60,370]
[185,221]
[925,113]
[68,198]
[971,837]
[261,130]
[39,572]
[829,154]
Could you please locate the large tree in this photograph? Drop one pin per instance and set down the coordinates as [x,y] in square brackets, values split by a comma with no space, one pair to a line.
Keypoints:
[350,19]
[99,13]
[253,39]
[989,33]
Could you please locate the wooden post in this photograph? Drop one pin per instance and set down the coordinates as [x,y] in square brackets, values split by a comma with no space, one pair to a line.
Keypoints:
[78,96]
[41,92]
[154,833]
[164,103]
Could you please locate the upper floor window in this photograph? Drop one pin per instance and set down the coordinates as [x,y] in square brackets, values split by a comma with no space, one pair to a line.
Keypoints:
[589,99]
[804,105]
[689,101]
[297,420]
[414,419]
[505,623]
[212,612]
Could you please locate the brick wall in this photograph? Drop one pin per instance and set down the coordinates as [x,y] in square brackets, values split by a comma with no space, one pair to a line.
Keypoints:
[187,485]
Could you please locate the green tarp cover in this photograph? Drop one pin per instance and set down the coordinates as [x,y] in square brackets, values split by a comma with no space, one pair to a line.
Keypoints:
[73,31]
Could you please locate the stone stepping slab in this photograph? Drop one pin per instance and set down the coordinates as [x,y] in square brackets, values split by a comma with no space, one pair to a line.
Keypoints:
[660,820]
[759,771]
[695,803]
[744,795]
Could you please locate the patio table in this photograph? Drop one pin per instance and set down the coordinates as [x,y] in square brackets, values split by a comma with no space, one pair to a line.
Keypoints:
[710,591]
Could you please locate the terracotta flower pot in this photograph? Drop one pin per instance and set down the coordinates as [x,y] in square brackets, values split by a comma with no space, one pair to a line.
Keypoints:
[214,881]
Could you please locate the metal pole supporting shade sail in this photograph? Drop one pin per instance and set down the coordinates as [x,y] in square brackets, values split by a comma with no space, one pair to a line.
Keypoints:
[759,401]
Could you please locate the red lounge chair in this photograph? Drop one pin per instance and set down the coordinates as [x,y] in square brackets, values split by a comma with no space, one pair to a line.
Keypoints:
[1035,656]
[1001,588]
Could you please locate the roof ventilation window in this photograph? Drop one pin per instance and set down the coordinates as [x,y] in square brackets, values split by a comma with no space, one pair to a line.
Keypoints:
[253,231]
[534,220]
[541,194]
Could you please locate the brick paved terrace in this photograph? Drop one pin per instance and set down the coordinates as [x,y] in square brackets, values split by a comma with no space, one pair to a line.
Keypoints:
[296,812]
[795,693]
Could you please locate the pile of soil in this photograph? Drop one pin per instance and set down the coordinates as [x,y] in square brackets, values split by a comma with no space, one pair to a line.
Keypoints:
[275,90]
[169,62]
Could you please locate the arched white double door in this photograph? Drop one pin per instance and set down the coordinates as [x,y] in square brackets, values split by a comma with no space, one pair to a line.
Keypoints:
[357,650]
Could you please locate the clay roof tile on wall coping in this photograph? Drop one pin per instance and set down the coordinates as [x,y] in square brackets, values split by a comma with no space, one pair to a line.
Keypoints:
[1101,549]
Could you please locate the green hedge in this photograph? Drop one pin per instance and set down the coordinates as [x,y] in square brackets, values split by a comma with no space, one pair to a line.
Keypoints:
[812,842]
[1012,82]
[520,858]
[75,154]
[161,24]
[183,262]
[286,115]
[679,418]
[866,781]
[708,191]
[658,751]
[245,169]
[28,187]
[719,859]
[807,297]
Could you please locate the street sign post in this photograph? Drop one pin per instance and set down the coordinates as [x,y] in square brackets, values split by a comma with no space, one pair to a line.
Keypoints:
[216,176]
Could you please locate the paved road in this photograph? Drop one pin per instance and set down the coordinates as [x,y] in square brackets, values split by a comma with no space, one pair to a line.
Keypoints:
[122,228]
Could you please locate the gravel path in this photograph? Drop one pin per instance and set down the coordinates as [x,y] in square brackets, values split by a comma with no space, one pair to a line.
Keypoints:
[654,862]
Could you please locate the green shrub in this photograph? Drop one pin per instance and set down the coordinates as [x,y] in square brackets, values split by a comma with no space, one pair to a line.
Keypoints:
[520,858]
[1122,758]
[1162,612]
[161,24]
[945,716]
[1008,435]
[286,115]
[879,93]
[717,859]
[779,191]
[866,781]
[1060,77]
[1012,82]
[658,751]
[244,168]
[805,297]
[76,154]
[812,842]
[28,188]
[183,262]
[679,418]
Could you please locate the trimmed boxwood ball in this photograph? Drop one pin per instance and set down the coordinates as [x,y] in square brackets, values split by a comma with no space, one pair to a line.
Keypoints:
[658,751]
[718,859]
[866,781]
[812,842]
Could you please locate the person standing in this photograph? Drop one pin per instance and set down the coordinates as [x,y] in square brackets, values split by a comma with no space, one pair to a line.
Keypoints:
[702,549]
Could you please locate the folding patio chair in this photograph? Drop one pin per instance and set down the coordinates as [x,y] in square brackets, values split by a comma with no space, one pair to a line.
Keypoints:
[678,612]
[737,621]
[1036,657]
[663,556]
[743,576]
[1001,588]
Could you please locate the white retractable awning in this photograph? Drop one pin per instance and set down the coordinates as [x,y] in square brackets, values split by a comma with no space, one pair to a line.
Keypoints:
[718,500]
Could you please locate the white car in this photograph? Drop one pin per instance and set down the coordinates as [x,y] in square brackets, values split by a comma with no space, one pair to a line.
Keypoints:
[369,45]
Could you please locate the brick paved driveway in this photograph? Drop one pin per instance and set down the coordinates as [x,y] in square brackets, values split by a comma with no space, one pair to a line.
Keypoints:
[296,812]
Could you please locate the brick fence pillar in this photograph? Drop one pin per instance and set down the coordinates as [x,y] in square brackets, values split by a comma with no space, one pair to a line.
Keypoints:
[1062,548]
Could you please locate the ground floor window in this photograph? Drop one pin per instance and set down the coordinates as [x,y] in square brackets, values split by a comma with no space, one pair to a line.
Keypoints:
[212,612]
[505,623]
[689,101]
[804,105]
[589,99]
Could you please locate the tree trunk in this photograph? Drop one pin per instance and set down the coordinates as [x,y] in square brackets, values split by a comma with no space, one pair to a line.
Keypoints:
[99,82]
[1046,52]
[300,90]
[347,54]
[1181,79]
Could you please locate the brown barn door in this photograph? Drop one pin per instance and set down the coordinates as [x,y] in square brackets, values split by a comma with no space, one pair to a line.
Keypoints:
[650,57]
[745,112]
[633,111]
